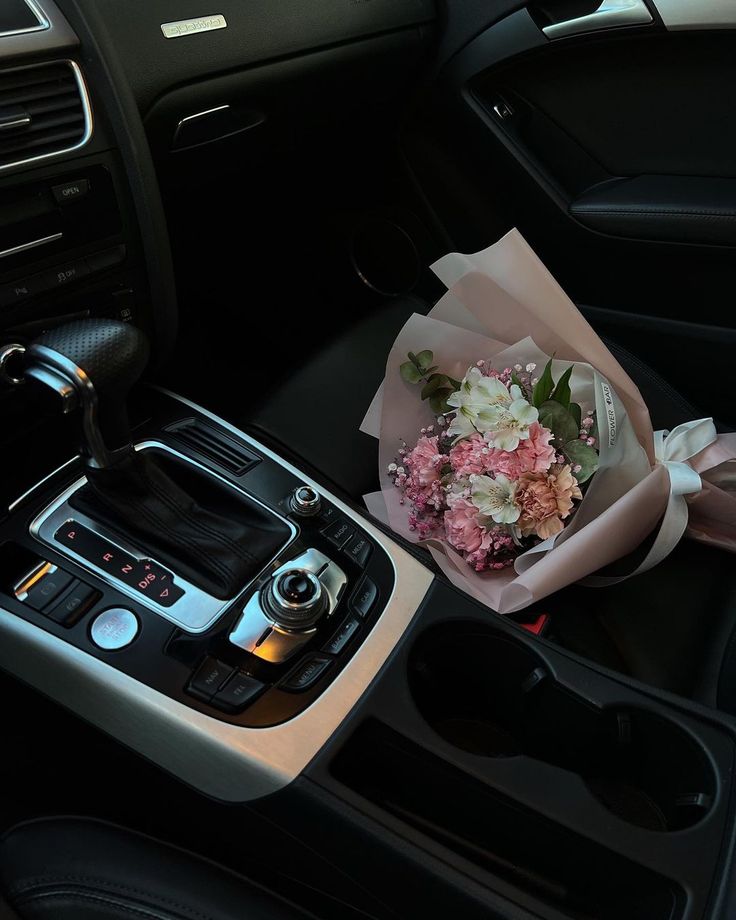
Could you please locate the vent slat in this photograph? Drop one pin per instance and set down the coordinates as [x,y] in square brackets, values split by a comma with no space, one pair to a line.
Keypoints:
[51,96]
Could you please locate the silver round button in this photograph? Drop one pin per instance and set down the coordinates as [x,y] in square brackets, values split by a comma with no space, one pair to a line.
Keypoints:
[114,629]
[306,501]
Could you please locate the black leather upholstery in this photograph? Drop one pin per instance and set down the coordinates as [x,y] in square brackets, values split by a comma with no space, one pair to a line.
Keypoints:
[317,412]
[77,869]
[685,209]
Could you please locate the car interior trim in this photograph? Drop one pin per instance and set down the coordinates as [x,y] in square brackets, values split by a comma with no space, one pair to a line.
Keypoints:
[705,14]
[225,761]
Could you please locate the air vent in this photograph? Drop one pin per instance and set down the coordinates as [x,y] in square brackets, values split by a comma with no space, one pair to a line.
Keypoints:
[44,111]
[215,445]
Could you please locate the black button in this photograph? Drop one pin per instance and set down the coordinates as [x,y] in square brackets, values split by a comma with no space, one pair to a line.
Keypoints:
[63,275]
[359,549]
[341,638]
[73,605]
[329,513]
[22,290]
[339,532]
[296,588]
[108,258]
[73,190]
[306,674]
[238,692]
[364,598]
[208,679]
[46,589]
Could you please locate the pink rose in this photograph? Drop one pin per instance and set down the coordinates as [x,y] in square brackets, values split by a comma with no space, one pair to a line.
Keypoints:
[462,529]
[467,457]
[546,500]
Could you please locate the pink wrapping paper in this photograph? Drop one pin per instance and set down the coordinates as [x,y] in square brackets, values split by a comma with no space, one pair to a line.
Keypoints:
[505,298]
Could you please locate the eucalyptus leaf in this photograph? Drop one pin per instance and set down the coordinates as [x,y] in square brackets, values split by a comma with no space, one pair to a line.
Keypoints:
[410,372]
[431,370]
[424,359]
[560,422]
[413,358]
[433,384]
[544,386]
[438,401]
[579,454]
[577,414]
[562,393]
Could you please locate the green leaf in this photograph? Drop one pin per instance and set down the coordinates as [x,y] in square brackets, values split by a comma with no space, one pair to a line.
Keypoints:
[562,393]
[431,370]
[579,454]
[515,380]
[438,400]
[424,359]
[560,422]
[577,414]
[455,384]
[410,372]
[544,387]
[433,384]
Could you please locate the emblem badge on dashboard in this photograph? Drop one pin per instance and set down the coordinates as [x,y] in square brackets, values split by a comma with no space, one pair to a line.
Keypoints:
[193,26]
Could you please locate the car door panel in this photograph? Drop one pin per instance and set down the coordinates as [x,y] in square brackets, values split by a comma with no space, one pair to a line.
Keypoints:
[614,151]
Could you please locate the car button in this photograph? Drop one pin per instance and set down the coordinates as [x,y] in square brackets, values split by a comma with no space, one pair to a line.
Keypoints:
[306,674]
[359,549]
[208,678]
[73,604]
[339,532]
[238,692]
[341,638]
[42,586]
[73,190]
[364,598]
[114,629]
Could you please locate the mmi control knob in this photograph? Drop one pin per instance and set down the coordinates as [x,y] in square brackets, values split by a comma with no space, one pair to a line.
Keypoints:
[295,600]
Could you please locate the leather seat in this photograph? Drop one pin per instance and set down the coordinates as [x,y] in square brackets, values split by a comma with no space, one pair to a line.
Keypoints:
[79,869]
[317,412]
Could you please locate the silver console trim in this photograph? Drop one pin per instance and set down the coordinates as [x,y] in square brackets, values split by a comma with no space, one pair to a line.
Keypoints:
[56,37]
[225,761]
[43,22]
[196,611]
[697,14]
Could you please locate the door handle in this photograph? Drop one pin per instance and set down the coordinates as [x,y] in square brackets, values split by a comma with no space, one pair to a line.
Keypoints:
[611,14]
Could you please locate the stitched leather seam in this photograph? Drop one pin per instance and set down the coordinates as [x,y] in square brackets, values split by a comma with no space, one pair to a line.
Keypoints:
[184,515]
[28,890]
[706,215]
[118,906]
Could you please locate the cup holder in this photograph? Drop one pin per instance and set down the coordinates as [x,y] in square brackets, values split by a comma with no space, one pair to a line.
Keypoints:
[489,695]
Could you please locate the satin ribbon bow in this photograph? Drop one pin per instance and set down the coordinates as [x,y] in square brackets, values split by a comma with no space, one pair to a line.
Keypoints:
[673,450]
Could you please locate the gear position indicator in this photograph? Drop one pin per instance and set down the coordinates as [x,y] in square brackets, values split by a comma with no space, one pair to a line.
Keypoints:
[143,575]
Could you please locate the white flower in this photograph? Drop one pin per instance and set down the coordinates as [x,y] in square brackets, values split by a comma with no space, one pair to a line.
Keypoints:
[495,498]
[512,425]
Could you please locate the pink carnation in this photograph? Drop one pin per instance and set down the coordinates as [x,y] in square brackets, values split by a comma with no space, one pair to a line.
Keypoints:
[463,531]
[467,457]
[534,455]
[424,464]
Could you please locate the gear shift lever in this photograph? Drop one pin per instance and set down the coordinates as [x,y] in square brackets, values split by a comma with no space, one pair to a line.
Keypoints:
[92,364]
[217,541]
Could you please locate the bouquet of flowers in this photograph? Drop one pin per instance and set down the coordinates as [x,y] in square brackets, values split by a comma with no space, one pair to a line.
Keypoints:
[502,468]
[527,461]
